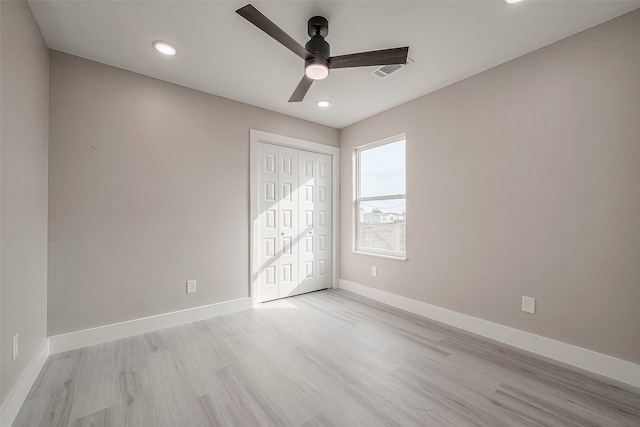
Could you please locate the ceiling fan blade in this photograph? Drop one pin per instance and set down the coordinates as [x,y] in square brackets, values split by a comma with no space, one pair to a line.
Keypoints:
[365,59]
[301,89]
[254,16]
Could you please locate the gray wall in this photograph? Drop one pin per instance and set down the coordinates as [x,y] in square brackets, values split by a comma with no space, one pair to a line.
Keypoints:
[149,187]
[23,189]
[523,180]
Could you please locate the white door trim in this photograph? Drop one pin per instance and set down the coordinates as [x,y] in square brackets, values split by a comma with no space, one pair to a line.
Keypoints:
[257,137]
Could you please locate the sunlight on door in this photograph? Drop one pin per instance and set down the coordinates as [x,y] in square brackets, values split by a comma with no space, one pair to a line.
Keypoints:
[294,221]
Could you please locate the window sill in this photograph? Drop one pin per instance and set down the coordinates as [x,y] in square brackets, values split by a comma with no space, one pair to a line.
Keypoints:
[397,258]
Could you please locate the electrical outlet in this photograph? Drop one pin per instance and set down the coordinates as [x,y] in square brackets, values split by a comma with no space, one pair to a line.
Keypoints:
[15,347]
[528,304]
[191,286]
[374,271]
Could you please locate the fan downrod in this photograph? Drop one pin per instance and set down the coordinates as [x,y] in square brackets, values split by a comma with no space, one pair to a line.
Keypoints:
[318,25]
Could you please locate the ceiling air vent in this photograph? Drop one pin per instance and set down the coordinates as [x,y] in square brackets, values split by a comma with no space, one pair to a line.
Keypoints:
[386,70]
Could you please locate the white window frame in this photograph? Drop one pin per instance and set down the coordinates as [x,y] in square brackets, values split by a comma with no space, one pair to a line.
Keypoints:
[357,199]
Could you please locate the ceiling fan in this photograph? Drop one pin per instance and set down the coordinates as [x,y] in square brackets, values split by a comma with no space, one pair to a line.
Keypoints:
[316,52]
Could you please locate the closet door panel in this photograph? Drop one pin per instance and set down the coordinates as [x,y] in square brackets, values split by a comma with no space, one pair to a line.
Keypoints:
[306,214]
[268,222]
[315,221]
[322,227]
[288,211]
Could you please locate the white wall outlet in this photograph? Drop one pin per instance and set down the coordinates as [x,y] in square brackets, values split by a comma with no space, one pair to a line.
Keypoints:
[191,286]
[374,271]
[15,347]
[528,304]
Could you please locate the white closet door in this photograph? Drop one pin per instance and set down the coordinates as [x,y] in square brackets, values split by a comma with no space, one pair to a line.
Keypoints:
[294,221]
[315,221]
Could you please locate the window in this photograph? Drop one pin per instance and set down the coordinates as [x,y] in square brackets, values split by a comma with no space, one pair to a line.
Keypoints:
[380,205]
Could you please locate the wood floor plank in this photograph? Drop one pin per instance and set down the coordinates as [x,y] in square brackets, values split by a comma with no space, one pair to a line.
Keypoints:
[101,418]
[328,358]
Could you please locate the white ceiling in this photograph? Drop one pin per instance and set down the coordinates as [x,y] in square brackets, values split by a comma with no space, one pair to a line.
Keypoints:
[221,53]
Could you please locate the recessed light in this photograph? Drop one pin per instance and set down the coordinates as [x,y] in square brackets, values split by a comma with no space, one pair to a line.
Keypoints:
[323,103]
[164,48]
[513,1]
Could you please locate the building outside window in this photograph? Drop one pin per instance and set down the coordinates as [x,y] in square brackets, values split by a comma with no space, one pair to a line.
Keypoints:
[380,203]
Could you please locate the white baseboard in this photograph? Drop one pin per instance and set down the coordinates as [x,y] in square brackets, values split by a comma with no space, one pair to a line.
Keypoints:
[601,364]
[21,390]
[73,340]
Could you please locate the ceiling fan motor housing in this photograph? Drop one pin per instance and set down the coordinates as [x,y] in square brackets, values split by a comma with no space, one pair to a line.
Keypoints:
[317,46]
[318,28]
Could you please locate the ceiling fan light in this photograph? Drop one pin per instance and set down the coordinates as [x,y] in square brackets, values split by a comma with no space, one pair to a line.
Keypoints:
[316,71]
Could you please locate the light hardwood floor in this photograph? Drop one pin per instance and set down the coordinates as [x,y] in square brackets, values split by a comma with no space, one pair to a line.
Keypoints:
[329,358]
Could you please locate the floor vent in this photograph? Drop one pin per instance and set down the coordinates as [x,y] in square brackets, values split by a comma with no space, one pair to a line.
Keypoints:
[386,70]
